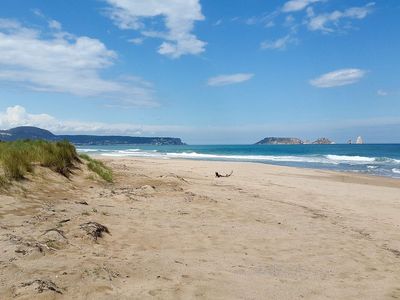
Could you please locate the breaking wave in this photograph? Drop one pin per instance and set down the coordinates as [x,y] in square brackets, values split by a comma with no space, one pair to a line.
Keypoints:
[316,159]
[373,162]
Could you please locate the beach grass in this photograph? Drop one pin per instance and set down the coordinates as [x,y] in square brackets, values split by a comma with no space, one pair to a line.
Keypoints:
[98,167]
[19,158]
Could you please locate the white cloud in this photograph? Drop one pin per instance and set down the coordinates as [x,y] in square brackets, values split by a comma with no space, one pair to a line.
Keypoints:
[297,5]
[18,116]
[385,93]
[179,18]
[53,24]
[136,41]
[279,44]
[63,63]
[244,133]
[222,80]
[266,19]
[328,21]
[338,78]
[382,93]
[218,22]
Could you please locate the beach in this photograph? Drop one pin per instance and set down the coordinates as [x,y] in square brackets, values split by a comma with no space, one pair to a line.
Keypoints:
[178,232]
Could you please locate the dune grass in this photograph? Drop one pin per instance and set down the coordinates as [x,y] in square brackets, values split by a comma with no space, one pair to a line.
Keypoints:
[98,167]
[18,158]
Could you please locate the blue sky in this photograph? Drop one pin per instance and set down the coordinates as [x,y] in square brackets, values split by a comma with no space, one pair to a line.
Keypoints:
[227,71]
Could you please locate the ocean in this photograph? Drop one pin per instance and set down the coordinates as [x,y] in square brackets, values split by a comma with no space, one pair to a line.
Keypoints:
[374,159]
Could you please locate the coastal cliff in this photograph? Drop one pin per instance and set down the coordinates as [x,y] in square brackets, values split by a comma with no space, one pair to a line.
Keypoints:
[34,133]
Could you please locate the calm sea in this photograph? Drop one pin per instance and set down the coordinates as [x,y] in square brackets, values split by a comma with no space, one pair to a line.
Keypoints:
[375,159]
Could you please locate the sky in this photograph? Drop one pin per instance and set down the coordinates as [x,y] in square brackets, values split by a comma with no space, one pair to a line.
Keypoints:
[207,71]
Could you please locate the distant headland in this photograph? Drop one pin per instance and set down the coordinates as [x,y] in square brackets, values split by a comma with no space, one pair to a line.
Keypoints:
[35,133]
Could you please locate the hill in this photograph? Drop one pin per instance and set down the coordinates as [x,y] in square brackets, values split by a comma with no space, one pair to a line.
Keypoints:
[35,133]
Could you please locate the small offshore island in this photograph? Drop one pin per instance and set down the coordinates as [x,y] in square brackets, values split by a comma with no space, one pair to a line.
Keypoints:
[291,141]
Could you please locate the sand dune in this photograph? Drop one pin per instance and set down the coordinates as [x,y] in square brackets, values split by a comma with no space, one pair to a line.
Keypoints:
[177,232]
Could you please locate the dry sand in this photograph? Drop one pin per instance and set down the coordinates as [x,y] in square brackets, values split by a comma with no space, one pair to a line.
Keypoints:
[177,232]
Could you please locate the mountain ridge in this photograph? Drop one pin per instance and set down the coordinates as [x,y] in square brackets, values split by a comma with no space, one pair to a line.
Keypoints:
[35,133]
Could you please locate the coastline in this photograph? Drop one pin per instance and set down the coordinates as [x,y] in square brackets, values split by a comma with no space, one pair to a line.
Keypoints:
[345,176]
[179,232]
[380,160]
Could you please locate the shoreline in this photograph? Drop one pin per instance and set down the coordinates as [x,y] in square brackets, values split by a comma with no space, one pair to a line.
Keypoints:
[322,170]
[381,160]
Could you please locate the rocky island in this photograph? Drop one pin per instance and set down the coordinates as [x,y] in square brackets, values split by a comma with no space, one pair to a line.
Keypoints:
[292,141]
[280,141]
[322,141]
[35,133]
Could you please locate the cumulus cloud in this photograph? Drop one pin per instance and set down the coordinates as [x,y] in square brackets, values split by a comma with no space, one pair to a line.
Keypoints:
[279,44]
[338,78]
[297,5]
[328,21]
[178,17]
[18,116]
[63,63]
[222,80]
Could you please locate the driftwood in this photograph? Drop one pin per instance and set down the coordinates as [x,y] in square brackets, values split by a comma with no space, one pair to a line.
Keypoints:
[64,221]
[82,202]
[223,175]
[94,229]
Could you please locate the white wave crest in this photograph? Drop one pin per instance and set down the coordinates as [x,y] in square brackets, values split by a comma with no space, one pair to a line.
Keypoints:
[352,159]
[87,150]
[278,158]
[371,162]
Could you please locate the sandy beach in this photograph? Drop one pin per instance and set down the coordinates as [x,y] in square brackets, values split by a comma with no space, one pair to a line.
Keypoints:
[177,232]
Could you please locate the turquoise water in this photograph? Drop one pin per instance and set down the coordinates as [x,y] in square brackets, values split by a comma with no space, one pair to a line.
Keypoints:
[375,159]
